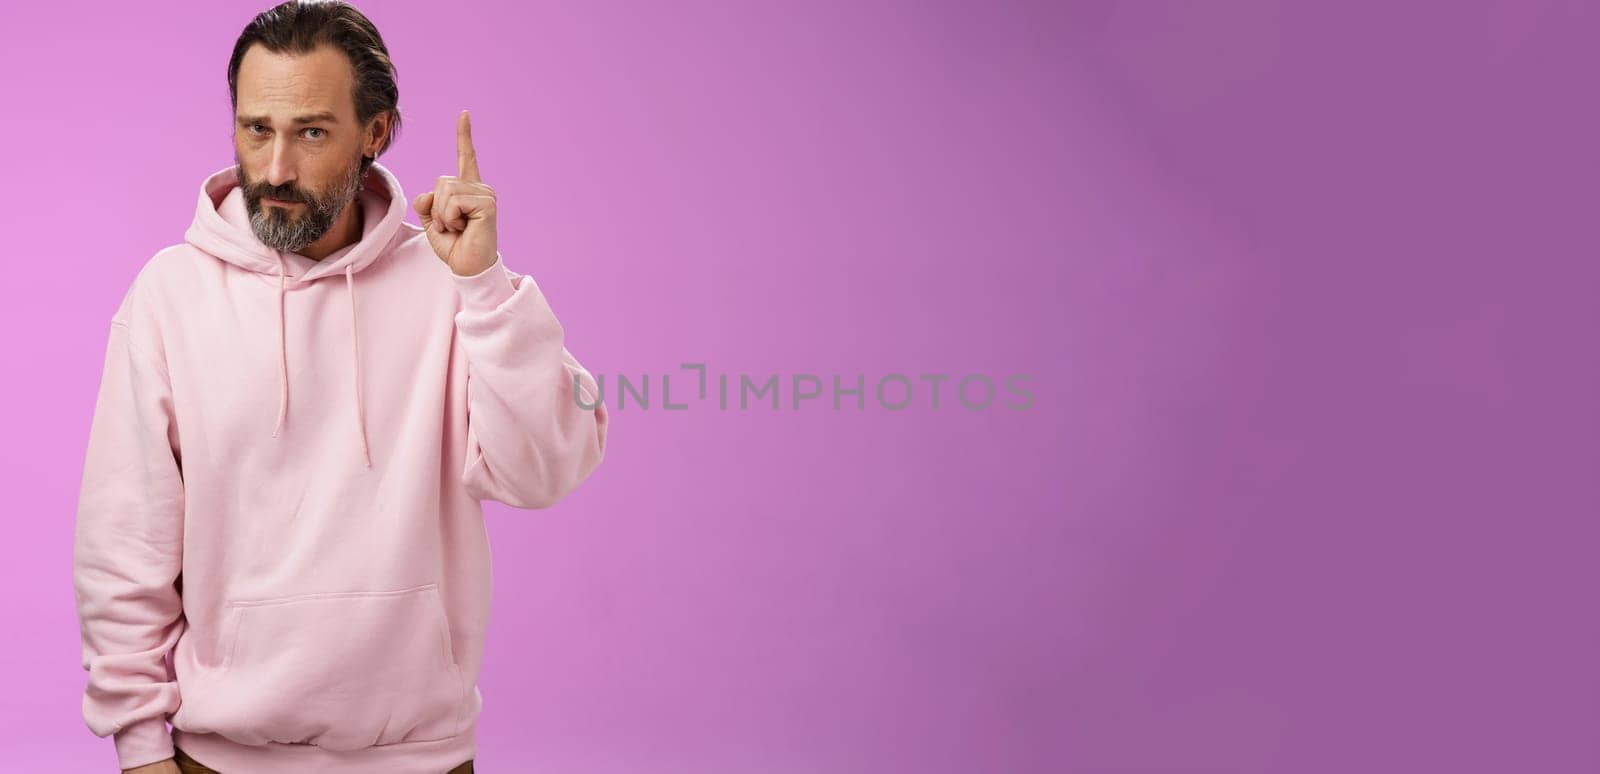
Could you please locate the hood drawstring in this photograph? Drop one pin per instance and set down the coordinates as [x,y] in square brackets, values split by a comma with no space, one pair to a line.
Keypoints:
[355,346]
[283,356]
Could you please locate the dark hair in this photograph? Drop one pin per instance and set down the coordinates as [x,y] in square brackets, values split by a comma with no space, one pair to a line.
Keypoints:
[301,26]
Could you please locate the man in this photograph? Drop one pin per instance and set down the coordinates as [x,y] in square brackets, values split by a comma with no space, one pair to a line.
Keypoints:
[282,485]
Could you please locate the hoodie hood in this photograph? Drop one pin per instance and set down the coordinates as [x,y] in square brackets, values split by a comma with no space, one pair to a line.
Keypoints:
[221,228]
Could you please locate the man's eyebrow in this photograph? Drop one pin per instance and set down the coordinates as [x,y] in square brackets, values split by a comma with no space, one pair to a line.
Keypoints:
[305,119]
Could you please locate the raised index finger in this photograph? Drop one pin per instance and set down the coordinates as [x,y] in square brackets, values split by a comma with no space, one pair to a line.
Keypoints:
[466,157]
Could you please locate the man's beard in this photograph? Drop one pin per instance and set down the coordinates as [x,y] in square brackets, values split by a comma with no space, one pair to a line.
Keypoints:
[280,228]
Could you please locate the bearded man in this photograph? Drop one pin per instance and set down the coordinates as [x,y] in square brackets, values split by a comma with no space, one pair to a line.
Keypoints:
[280,547]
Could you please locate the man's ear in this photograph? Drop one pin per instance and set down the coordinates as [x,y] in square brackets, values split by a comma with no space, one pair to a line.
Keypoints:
[377,130]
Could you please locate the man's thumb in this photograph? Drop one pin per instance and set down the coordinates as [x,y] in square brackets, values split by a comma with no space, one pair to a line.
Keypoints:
[423,204]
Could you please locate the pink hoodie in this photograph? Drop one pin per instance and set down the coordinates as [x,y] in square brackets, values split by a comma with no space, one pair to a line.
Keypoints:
[282,489]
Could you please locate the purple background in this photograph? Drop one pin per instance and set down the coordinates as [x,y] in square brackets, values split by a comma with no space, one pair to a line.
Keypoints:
[1307,293]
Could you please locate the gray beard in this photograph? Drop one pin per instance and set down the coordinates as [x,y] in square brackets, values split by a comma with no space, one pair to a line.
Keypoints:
[280,229]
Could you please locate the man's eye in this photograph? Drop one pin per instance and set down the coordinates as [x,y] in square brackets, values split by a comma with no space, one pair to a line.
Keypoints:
[321,133]
[253,127]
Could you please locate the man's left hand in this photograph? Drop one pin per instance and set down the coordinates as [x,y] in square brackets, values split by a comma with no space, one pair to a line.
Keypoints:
[459,213]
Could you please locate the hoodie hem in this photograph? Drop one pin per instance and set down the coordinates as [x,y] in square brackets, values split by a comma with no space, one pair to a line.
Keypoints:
[430,757]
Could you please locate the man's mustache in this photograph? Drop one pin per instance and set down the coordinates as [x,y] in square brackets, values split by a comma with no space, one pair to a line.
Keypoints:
[279,194]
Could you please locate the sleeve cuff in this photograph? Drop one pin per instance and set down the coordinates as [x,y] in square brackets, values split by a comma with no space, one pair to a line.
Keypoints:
[144,742]
[487,289]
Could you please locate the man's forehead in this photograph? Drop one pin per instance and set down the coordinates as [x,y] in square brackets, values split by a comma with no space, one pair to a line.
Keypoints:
[288,86]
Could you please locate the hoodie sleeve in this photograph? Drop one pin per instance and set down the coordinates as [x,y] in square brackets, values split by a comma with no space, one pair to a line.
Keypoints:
[535,428]
[128,551]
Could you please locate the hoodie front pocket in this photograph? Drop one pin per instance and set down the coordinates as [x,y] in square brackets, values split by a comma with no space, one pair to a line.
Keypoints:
[344,670]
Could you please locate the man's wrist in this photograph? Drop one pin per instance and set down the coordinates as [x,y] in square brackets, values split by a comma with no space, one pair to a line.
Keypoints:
[143,742]
[486,289]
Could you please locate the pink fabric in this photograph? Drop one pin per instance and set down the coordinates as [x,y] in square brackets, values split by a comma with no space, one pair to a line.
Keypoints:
[313,469]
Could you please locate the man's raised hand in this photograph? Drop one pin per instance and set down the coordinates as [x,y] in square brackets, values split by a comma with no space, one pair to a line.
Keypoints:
[459,213]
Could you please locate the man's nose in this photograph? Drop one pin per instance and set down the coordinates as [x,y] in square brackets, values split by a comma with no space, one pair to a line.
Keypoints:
[281,165]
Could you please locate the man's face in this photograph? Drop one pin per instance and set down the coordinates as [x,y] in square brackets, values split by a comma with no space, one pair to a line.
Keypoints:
[296,143]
